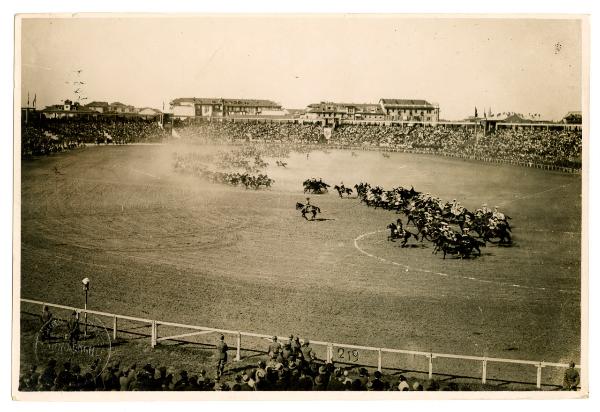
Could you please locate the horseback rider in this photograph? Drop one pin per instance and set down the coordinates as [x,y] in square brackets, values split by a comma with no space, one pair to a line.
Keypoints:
[467,225]
[399,224]
[447,231]
[498,215]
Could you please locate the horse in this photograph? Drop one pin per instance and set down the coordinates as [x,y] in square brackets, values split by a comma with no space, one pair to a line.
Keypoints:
[447,247]
[315,186]
[500,232]
[403,234]
[361,190]
[308,209]
[343,190]
[469,243]
[463,246]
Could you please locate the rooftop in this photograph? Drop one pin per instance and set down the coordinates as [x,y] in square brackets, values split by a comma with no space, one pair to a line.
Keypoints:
[97,104]
[405,102]
[227,102]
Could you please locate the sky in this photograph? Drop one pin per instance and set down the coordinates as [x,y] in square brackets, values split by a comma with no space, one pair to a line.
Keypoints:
[517,65]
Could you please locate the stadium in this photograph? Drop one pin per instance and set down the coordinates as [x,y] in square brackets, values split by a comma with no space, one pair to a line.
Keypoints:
[326,223]
[161,243]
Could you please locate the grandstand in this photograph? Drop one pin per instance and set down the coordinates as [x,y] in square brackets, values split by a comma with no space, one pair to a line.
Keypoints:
[556,146]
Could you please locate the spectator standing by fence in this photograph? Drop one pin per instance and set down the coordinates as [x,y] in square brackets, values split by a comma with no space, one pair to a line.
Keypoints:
[571,380]
[221,356]
[274,348]
[73,325]
[307,353]
[46,323]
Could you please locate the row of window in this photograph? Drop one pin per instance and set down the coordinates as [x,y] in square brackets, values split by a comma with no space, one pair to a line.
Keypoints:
[409,111]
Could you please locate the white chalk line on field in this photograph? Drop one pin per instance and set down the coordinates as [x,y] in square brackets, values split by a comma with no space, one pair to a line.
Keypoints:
[554,231]
[144,173]
[407,268]
[529,195]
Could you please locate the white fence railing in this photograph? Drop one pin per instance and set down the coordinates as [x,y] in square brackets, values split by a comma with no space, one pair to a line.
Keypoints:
[329,346]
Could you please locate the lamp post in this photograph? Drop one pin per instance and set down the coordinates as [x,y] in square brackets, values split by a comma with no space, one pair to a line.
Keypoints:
[86,287]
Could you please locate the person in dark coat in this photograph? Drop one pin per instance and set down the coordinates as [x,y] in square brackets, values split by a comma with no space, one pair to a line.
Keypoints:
[73,327]
[46,320]
[307,353]
[161,381]
[296,346]
[363,377]
[274,348]
[571,380]
[77,381]
[324,375]
[182,382]
[286,353]
[378,384]
[48,376]
[145,378]
[64,377]
[357,385]
[305,382]
[221,356]
[237,386]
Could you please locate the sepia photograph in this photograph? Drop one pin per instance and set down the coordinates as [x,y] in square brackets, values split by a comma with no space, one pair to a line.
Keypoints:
[279,204]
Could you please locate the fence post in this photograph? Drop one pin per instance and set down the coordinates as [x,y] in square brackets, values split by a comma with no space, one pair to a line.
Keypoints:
[115,328]
[484,371]
[539,375]
[379,359]
[153,337]
[430,365]
[238,355]
[329,353]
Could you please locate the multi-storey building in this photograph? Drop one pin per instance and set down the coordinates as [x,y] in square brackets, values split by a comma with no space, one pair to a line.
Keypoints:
[386,109]
[333,113]
[201,107]
[410,110]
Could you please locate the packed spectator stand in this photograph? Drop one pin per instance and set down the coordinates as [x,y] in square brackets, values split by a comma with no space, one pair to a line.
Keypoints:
[553,147]
[536,146]
[48,136]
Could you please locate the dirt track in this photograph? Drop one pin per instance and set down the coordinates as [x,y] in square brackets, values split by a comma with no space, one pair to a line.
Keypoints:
[159,245]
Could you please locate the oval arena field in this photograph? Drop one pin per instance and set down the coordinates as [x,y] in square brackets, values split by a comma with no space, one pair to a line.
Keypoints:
[160,245]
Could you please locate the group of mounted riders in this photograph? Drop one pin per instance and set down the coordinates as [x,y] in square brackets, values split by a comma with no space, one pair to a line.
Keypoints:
[247,180]
[317,186]
[237,160]
[190,165]
[448,225]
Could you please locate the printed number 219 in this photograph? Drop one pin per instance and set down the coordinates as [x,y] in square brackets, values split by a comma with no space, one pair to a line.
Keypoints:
[352,356]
